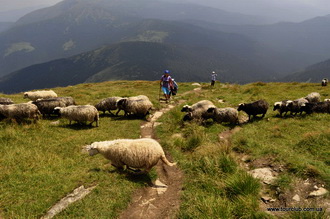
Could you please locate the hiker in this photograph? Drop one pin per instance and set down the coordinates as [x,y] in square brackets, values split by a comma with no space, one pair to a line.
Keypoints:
[174,88]
[213,78]
[166,84]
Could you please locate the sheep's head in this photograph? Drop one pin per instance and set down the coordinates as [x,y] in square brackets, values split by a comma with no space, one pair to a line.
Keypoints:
[211,109]
[26,95]
[92,150]
[241,106]
[186,108]
[57,110]
[277,105]
[187,117]
[122,102]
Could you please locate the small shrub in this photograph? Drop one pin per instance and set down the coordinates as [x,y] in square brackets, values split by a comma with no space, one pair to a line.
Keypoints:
[241,184]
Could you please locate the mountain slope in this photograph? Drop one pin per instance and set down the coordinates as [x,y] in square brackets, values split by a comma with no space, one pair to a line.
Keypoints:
[134,61]
[313,73]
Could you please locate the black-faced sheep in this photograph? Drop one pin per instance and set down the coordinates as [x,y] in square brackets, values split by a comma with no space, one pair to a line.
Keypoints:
[80,114]
[254,108]
[5,101]
[20,111]
[47,106]
[138,105]
[108,104]
[39,94]
[281,107]
[227,114]
[324,82]
[320,107]
[313,97]
[197,111]
[141,153]
[295,106]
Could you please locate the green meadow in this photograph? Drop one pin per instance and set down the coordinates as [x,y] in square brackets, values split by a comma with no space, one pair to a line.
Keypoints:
[41,163]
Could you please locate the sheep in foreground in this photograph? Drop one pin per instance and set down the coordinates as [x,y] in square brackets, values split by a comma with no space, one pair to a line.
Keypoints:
[20,111]
[324,82]
[281,107]
[320,107]
[138,105]
[5,101]
[197,111]
[227,114]
[47,106]
[254,108]
[39,94]
[80,114]
[313,97]
[295,106]
[108,104]
[141,153]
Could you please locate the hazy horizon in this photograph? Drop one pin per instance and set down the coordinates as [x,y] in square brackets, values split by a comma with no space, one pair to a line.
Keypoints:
[280,10]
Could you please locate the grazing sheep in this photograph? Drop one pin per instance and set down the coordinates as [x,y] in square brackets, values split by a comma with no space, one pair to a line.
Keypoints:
[326,100]
[320,107]
[67,100]
[39,94]
[20,111]
[5,101]
[80,114]
[255,108]
[141,153]
[324,82]
[313,97]
[295,106]
[281,107]
[108,104]
[138,105]
[197,111]
[227,114]
[47,106]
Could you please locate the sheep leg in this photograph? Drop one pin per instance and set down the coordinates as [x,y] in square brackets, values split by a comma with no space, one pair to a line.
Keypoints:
[118,112]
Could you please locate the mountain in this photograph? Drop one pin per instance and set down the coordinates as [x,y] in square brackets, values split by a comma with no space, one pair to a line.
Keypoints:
[313,73]
[75,26]
[134,61]
[14,15]
[303,43]
[5,26]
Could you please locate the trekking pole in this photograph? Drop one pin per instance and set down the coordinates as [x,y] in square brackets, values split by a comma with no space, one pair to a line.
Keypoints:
[160,88]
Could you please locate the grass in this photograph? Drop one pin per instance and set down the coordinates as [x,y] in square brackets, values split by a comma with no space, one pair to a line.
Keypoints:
[41,163]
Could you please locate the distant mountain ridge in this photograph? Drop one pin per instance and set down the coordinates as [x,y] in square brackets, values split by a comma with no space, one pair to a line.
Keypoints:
[133,61]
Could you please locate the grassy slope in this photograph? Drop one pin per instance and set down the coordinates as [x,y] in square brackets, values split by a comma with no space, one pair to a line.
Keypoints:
[41,163]
[215,185]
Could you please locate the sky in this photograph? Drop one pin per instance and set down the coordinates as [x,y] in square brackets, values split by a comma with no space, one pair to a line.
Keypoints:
[280,10]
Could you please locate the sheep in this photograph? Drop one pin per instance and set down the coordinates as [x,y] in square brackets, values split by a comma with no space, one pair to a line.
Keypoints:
[320,107]
[39,94]
[138,105]
[141,153]
[80,113]
[67,100]
[295,106]
[227,114]
[254,108]
[108,104]
[326,100]
[20,111]
[5,101]
[324,82]
[197,111]
[313,97]
[281,107]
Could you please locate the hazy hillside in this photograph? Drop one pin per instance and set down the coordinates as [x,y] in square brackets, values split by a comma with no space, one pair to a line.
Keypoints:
[302,44]
[313,73]
[5,26]
[134,61]
[72,27]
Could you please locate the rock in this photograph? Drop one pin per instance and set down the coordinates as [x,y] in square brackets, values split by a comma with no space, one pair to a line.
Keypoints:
[196,84]
[56,123]
[265,174]
[318,193]
[296,198]
[160,187]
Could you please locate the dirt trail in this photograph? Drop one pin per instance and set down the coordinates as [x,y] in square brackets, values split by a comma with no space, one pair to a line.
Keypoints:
[162,199]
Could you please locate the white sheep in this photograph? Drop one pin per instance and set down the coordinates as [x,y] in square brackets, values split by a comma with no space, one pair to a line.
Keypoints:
[141,153]
[5,101]
[227,114]
[137,105]
[108,104]
[39,94]
[20,111]
[80,113]
[313,97]
[198,111]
